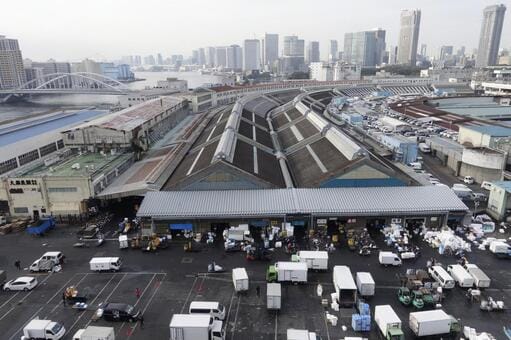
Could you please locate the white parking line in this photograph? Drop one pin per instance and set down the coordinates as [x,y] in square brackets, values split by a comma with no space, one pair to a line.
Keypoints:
[138,300]
[189,293]
[229,310]
[236,317]
[147,305]
[276,323]
[37,312]
[94,300]
[62,290]
[6,302]
[24,298]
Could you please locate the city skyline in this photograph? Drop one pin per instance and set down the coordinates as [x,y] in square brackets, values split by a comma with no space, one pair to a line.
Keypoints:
[156,34]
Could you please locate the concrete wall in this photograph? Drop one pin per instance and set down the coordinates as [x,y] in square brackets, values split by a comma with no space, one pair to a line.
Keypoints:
[471,137]
[483,159]
[498,203]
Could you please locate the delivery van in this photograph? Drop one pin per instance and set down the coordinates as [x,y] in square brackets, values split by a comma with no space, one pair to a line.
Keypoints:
[458,273]
[441,276]
[215,309]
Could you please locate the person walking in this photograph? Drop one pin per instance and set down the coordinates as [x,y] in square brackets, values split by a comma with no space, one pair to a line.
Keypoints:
[137,293]
[258,291]
[141,320]
[64,298]
[17,264]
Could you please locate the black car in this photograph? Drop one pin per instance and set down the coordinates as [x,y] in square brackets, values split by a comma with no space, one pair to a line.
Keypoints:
[120,312]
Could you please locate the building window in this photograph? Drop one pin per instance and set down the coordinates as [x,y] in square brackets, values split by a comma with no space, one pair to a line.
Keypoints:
[28,157]
[15,190]
[21,210]
[66,189]
[47,149]
[8,165]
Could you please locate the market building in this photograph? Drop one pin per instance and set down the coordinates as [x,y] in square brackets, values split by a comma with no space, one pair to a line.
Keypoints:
[303,208]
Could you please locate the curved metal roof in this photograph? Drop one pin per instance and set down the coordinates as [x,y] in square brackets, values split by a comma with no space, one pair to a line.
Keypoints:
[380,201]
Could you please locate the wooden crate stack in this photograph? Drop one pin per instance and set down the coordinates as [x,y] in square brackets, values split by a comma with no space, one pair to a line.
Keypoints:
[5,229]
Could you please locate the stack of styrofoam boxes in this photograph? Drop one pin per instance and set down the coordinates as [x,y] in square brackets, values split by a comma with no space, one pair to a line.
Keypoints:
[362,322]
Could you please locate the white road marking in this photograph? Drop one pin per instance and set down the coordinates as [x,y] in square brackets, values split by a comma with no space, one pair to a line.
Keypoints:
[148,303]
[24,298]
[138,300]
[37,312]
[229,310]
[6,302]
[62,289]
[276,323]
[236,317]
[189,293]
[94,300]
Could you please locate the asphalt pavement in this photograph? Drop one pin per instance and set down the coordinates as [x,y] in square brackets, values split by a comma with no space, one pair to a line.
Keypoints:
[170,279]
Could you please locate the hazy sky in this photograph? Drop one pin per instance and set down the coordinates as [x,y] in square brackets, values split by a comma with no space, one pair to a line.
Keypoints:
[74,29]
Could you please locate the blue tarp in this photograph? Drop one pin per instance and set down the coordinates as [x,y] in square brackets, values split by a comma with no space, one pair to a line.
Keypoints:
[298,223]
[259,223]
[180,226]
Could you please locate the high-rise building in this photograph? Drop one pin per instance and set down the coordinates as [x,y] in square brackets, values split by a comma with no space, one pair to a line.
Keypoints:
[424,50]
[365,48]
[149,60]
[195,57]
[460,53]
[159,59]
[202,56]
[313,52]
[489,40]
[409,37]
[210,56]
[334,51]
[12,73]
[270,48]
[137,60]
[221,56]
[234,57]
[446,51]
[35,70]
[293,56]
[322,71]
[251,55]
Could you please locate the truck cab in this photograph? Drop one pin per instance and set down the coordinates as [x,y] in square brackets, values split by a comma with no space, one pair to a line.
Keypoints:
[394,333]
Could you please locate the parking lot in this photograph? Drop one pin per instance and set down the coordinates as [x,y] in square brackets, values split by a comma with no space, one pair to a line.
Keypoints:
[170,279]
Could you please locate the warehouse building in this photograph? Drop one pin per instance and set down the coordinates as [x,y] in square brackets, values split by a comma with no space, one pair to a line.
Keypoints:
[303,208]
[61,184]
[136,127]
[260,144]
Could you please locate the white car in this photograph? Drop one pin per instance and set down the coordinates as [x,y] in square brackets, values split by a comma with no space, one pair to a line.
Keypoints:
[468,180]
[21,283]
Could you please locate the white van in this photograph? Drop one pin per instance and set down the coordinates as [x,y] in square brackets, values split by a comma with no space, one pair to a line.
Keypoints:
[486,185]
[458,273]
[214,309]
[105,264]
[387,258]
[415,165]
[441,276]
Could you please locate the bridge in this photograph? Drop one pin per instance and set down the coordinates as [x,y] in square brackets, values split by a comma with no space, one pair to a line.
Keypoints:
[69,83]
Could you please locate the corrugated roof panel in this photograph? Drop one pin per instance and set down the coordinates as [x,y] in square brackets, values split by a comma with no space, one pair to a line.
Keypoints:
[278,202]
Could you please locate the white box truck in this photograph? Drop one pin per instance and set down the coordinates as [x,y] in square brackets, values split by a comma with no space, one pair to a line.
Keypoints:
[365,283]
[500,249]
[287,271]
[273,296]
[388,322]
[345,286]
[388,258]
[100,264]
[424,148]
[240,279]
[95,333]
[43,329]
[301,334]
[481,280]
[316,260]
[432,322]
[460,275]
[195,327]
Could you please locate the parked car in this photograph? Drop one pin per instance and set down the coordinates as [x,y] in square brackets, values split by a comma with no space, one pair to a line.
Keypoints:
[25,283]
[479,196]
[120,312]
[468,180]
[486,185]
